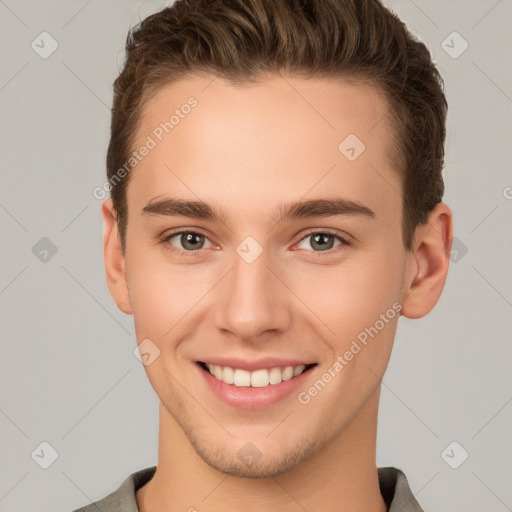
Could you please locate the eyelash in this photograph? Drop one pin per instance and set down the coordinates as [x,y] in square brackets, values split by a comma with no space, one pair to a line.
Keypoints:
[320,254]
[315,254]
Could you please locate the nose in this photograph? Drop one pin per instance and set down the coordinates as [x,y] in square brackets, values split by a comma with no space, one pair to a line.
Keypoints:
[252,302]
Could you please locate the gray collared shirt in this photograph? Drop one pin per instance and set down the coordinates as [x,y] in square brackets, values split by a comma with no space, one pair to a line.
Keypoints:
[392,481]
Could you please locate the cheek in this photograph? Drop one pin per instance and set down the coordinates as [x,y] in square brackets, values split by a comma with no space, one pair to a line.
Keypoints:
[164,296]
[160,300]
[154,293]
[352,295]
[358,303]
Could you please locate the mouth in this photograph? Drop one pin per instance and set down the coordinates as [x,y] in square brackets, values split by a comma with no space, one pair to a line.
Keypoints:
[258,378]
[249,383]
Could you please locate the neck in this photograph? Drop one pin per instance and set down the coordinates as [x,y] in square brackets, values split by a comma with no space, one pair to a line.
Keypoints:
[340,477]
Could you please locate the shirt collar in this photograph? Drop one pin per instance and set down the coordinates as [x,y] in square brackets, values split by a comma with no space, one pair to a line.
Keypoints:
[393,485]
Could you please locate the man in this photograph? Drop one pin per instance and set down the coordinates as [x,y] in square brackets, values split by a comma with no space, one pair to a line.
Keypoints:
[275,170]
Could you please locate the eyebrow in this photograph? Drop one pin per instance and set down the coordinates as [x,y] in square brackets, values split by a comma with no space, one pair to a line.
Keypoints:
[286,211]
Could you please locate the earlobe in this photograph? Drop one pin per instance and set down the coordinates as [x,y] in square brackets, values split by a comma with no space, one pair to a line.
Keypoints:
[428,263]
[114,258]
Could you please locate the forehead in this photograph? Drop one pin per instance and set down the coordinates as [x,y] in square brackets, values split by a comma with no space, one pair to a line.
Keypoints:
[281,138]
[275,102]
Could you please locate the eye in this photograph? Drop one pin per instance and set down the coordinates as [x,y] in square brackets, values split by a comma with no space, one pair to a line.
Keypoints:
[187,242]
[322,242]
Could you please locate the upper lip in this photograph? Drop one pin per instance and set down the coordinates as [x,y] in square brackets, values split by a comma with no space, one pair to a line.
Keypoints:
[257,364]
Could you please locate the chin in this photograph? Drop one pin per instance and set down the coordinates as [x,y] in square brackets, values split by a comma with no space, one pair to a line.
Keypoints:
[248,461]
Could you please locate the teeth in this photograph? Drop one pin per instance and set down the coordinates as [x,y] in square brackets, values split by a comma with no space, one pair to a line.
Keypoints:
[298,370]
[228,375]
[258,378]
[241,378]
[275,376]
[287,373]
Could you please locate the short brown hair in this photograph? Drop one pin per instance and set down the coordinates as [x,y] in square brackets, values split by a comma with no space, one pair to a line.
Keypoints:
[241,40]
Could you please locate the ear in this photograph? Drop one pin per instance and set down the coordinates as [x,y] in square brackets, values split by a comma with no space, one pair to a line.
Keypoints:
[114,258]
[427,263]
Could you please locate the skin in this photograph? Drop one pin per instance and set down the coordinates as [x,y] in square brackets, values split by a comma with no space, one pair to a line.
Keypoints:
[248,149]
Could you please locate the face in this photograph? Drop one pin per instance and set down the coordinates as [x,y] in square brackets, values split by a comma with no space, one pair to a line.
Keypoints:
[290,255]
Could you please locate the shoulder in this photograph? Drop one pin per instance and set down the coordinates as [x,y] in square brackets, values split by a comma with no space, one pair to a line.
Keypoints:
[395,490]
[122,499]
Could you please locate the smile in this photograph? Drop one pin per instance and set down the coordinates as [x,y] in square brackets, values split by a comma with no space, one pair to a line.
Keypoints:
[256,379]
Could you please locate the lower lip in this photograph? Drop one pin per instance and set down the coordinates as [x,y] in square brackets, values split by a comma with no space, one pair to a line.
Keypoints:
[254,398]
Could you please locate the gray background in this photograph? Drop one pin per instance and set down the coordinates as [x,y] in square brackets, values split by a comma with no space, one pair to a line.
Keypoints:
[68,375]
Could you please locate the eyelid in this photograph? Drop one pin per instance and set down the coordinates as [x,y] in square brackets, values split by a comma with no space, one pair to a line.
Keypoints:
[326,231]
[185,229]
[345,240]
[164,239]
